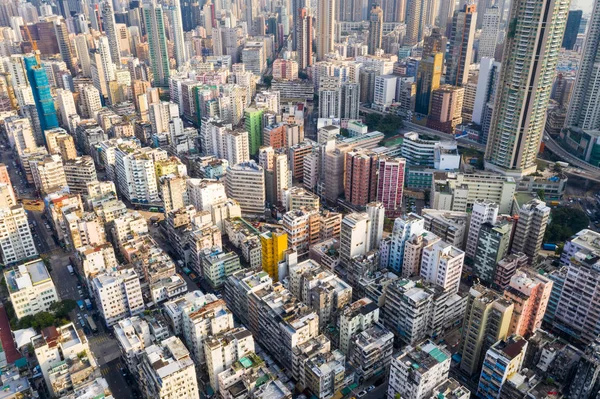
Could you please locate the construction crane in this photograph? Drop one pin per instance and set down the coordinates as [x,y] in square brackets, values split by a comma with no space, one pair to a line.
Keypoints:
[33,44]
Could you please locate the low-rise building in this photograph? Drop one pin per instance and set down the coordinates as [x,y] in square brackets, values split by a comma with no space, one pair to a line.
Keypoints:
[218,265]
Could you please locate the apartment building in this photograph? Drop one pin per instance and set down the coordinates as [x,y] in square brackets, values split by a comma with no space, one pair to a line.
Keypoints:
[218,265]
[530,228]
[54,345]
[48,174]
[484,211]
[176,308]
[354,318]
[136,175]
[118,294]
[223,350]
[502,361]
[320,289]
[79,172]
[451,227]
[418,370]
[442,264]
[487,320]
[278,334]
[167,370]
[371,351]
[245,182]
[530,292]
[30,288]
[302,227]
[16,240]
[459,191]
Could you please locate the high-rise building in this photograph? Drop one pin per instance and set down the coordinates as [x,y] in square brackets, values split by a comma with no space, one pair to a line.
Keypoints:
[64,43]
[304,29]
[173,12]
[354,318]
[428,79]
[492,245]
[488,39]
[584,383]
[48,174]
[572,29]
[274,244]
[375,28]
[525,84]
[253,124]
[461,39]
[442,265]
[245,182]
[404,228]
[584,110]
[136,174]
[355,236]
[167,370]
[486,321]
[31,288]
[325,27]
[44,103]
[157,43]
[502,361]
[531,227]
[118,294]
[390,184]
[415,22]
[445,109]
[110,29]
[361,177]
[418,370]
[530,292]
[90,102]
[16,241]
[349,100]
[484,211]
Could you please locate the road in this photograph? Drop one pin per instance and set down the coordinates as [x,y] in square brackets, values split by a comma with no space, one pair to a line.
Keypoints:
[103,346]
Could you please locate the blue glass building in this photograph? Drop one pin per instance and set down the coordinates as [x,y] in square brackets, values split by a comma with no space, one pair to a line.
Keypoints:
[41,93]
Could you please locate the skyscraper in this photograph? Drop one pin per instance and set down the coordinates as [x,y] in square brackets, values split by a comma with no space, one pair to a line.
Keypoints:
[349,100]
[528,70]
[390,184]
[157,43]
[110,29]
[173,11]
[304,32]
[572,29]
[584,110]
[429,75]
[64,43]
[489,33]
[325,27]
[375,28]
[414,22]
[460,53]
[41,93]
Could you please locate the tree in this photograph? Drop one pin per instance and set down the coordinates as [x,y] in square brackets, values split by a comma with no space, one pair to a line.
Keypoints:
[267,81]
[564,222]
[62,308]
[541,194]
[302,75]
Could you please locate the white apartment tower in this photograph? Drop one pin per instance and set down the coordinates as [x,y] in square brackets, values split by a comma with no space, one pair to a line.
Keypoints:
[532,49]
[488,39]
[441,264]
[110,29]
[531,227]
[484,211]
[16,241]
[118,294]
[31,288]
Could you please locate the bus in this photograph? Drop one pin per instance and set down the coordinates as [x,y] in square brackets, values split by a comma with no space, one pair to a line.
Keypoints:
[91,323]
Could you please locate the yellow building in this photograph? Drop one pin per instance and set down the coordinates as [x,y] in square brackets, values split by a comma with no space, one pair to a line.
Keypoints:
[274,244]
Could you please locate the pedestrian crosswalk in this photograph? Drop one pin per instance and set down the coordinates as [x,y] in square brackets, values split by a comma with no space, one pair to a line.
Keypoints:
[99,338]
[106,369]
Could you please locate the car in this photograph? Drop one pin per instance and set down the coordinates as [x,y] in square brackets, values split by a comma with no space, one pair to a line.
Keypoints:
[369,389]
[79,315]
[80,292]
[361,394]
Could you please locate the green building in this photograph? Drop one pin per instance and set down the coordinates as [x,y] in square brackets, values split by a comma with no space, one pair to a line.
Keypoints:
[254,127]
